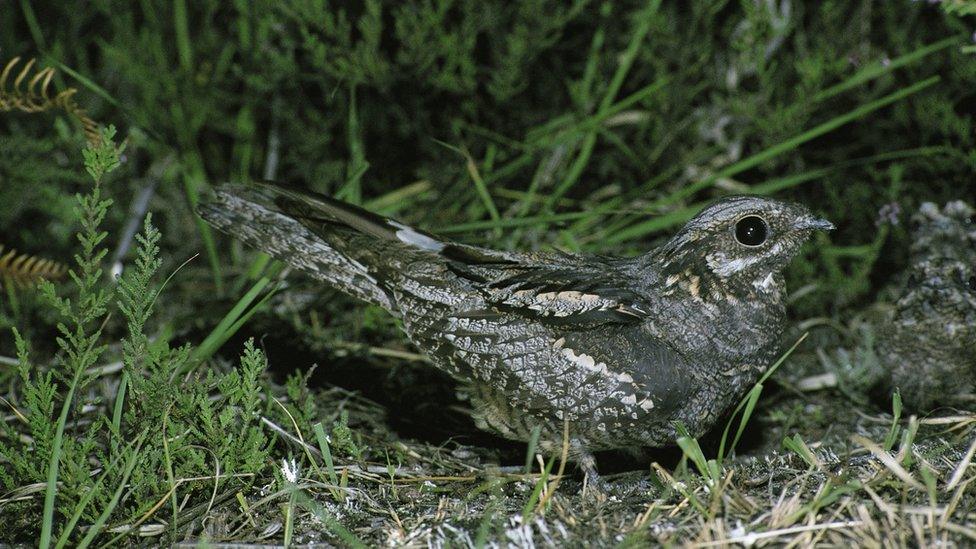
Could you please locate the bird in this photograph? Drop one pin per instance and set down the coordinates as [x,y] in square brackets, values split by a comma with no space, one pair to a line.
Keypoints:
[584,352]
[925,342]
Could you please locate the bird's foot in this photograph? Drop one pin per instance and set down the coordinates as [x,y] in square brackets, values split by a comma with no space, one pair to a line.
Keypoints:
[594,486]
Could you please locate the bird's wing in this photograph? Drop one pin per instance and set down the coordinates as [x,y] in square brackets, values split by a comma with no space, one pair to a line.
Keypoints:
[553,289]
[324,215]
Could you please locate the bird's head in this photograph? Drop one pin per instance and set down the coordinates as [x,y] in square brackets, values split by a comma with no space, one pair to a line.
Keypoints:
[741,239]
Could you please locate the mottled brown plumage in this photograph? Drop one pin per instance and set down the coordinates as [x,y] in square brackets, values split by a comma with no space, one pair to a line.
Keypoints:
[621,350]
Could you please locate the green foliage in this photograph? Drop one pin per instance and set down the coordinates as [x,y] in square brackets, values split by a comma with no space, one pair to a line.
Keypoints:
[102,157]
[582,124]
[343,438]
[961,7]
[80,342]
[632,111]
[160,426]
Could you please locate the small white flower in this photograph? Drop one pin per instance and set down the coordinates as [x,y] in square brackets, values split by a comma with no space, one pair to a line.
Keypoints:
[743,536]
[290,470]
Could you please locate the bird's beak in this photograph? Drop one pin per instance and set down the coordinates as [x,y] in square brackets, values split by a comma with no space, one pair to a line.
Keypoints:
[815,224]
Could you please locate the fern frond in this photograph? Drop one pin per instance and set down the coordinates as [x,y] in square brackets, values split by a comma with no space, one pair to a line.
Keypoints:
[31,93]
[25,269]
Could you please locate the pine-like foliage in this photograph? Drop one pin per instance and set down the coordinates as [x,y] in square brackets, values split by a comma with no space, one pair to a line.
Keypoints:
[105,464]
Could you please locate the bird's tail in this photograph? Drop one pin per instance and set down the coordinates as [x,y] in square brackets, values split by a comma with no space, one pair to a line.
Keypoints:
[279,222]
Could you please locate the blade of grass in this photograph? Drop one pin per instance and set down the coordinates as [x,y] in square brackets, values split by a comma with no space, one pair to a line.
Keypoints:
[117,408]
[357,166]
[479,184]
[482,189]
[83,502]
[232,321]
[797,140]
[530,504]
[895,418]
[888,461]
[484,526]
[582,97]
[96,527]
[748,404]
[254,271]
[86,82]
[513,222]
[905,455]
[193,176]
[533,445]
[290,515]
[553,486]
[644,21]
[553,136]
[669,219]
[35,29]
[796,445]
[51,490]
[397,199]
[690,448]
[181,30]
[875,70]
[348,538]
[170,476]
[637,230]
[323,441]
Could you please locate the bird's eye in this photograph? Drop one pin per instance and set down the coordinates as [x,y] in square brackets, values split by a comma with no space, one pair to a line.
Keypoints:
[751,230]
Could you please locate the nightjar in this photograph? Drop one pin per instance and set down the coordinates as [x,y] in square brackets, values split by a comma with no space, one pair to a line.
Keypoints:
[618,351]
[926,345]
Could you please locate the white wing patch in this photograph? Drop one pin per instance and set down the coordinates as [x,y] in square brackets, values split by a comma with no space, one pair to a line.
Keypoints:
[408,235]
[560,304]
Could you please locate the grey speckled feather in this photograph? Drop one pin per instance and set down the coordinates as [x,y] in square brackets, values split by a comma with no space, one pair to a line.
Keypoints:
[927,344]
[620,349]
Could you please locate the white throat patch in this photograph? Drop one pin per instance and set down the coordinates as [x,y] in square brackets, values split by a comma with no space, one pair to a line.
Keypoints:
[765,284]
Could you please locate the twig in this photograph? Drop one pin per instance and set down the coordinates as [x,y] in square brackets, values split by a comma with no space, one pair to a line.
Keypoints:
[137,211]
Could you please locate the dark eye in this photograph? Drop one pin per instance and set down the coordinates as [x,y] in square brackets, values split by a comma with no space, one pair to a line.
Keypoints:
[972,283]
[751,230]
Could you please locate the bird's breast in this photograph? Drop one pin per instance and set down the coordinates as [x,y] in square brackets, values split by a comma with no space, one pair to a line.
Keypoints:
[725,331]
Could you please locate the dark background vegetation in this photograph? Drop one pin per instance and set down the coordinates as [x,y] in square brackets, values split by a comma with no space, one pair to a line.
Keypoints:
[585,126]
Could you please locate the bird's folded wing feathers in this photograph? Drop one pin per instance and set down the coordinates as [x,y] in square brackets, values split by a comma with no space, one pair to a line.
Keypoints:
[556,290]
[553,288]
[313,210]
